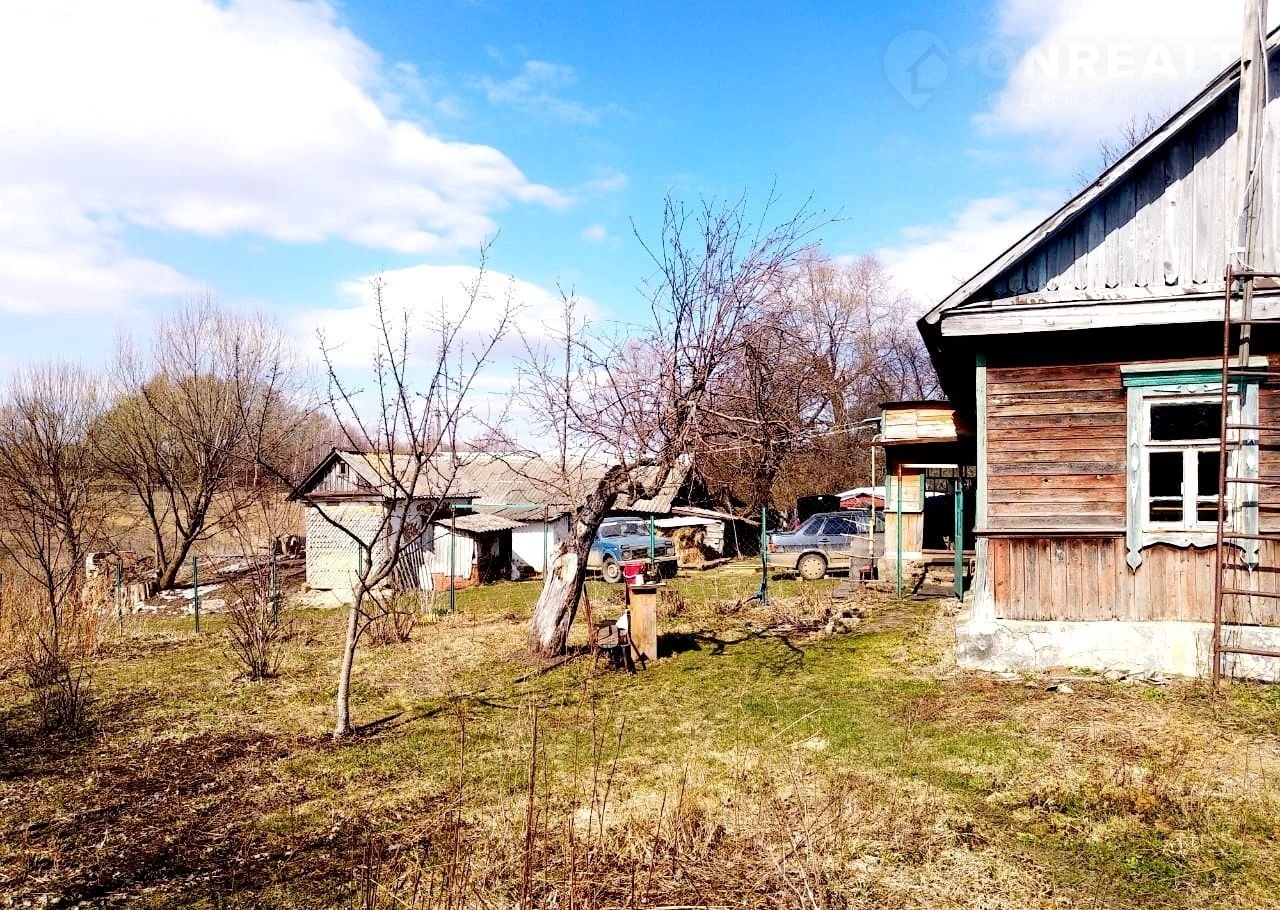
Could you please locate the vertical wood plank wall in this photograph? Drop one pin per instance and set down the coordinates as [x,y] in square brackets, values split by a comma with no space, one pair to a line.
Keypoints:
[1056,508]
[1055,448]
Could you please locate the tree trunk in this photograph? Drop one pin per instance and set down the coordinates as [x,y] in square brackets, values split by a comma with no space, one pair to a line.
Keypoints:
[342,707]
[562,589]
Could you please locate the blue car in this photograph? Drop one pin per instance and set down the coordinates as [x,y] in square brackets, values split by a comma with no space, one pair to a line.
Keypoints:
[620,540]
[828,540]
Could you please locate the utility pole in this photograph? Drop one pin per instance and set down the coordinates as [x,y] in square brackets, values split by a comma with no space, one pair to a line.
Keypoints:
[1249,174]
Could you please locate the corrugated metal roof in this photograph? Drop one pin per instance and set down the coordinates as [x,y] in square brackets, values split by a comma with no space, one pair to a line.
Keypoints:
[518,487]
[713,514]
[480,523]
[432,479]
[660,503]
[519,513]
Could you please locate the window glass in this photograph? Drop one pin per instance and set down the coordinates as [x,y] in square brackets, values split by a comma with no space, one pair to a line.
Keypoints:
[1207,486]
[842,525]
[812,527]
[1207,474]
[1165,485]
[1198,420]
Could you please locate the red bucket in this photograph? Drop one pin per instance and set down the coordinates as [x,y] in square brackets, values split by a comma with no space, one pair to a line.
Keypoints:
[633,570]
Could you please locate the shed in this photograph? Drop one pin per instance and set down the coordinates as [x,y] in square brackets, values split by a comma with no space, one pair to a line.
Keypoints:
[499,516]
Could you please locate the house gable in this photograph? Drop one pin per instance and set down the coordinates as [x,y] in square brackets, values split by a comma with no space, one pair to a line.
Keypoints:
[1145,243]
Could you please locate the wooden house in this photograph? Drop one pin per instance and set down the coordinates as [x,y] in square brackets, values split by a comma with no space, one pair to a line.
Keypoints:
[1088,360]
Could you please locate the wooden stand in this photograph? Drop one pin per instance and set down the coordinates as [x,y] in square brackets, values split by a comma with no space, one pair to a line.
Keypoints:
[642,604]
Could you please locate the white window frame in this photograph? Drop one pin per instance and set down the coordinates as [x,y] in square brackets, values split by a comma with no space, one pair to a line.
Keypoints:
[1189,449]
[1197,381]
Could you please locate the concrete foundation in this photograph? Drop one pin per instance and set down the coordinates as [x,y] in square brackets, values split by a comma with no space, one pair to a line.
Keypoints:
[1172,648]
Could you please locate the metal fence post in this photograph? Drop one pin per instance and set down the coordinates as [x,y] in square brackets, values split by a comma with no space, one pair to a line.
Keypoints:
[959,535]
[119,602]
[899,580]
[764,555]
[195,588]
[453,538]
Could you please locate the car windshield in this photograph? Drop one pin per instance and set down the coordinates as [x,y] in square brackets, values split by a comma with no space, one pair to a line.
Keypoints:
[623,529]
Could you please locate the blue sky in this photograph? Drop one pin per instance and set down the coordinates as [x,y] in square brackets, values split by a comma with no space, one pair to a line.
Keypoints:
[276,153]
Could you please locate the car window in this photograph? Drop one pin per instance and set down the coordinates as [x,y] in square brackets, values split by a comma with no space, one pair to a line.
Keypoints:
[623,529]
[842,525]
[811,527]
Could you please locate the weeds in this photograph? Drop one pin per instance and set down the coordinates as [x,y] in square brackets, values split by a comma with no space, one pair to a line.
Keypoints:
[752,768]
[52,651]
[258,628]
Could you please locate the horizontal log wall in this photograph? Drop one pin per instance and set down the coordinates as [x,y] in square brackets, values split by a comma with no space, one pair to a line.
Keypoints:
[1056,464]
[1087,579]
[1055,448]
[1269,452]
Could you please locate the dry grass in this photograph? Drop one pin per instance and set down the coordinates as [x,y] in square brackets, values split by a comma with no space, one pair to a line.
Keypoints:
[760,764]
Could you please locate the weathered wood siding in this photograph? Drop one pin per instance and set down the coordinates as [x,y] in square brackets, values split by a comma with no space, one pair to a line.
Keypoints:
[1269,452]
[1076,578]
[920,422]
[1163,226]
[1055,448]
[1056,464]
[336,483]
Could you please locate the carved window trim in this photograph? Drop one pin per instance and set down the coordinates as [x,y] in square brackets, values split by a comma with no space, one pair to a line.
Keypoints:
[1147,383]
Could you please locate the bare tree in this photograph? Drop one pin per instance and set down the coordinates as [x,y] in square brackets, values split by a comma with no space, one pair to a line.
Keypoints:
[210,397]
[409,420]
[1128,136]
[834,341]
[637,398]
[51,515]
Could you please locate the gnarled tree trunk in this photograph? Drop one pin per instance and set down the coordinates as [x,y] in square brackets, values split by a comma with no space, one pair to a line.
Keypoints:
[565,577]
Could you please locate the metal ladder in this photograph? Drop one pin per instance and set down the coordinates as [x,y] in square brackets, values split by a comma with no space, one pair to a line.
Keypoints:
[1237,333]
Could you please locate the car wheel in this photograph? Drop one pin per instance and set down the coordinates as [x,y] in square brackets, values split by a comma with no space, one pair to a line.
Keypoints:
[812,566]
[611,571]
[669,569]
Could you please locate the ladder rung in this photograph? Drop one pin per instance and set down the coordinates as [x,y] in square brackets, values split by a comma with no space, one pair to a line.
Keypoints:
[1246,275]
[1261,481]
[1272,321]
[1260,374]
[1240,535]
[1275,595]
[1245,426]
[1254,652]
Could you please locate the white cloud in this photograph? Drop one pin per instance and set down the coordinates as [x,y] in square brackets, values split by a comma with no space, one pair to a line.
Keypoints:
[931,261]
[1078,69]
[55,257]
[254,116]
[536,90]
[425,293]
[595,233]
[607,181]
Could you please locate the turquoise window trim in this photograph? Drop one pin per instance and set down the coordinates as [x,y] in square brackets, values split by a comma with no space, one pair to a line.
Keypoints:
[1173,377]
[1190,382]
